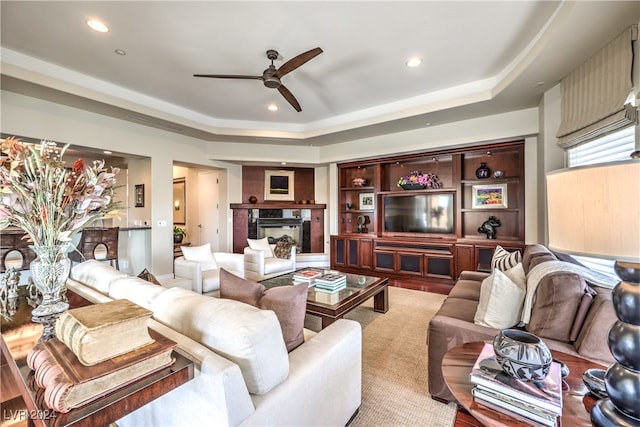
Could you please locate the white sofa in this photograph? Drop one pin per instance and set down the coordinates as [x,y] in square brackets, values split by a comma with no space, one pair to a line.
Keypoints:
[204,276]
[263,264]
[244,375]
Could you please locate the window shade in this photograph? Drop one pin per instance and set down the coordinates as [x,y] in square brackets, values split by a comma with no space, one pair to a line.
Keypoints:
[610,148]
[593,96]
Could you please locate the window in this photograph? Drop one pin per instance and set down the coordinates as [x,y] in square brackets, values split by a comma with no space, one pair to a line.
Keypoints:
[610,148]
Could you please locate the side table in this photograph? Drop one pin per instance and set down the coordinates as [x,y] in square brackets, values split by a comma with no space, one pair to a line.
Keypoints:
[577,401]
[21,405]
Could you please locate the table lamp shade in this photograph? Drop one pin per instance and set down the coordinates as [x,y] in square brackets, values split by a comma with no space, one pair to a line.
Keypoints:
[595,211]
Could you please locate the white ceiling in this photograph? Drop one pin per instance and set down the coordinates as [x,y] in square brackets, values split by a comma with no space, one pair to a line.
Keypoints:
[479,58]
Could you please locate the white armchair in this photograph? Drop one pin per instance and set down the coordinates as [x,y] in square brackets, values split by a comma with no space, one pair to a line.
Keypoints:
[260,263]
[204,274]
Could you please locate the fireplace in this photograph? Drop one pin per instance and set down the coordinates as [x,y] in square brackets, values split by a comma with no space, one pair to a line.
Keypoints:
[303,223]
[276,229]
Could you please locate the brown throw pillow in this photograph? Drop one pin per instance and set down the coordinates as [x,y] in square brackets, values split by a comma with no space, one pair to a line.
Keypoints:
[283,249]
[288,302]
[581,315]
[558,298]
[146,275]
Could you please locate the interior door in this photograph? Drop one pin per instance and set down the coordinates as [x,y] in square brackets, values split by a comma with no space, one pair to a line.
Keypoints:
[209,209]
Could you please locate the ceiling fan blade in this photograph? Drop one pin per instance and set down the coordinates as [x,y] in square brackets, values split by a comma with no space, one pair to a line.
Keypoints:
[290,98]
[297,61]
[228,76]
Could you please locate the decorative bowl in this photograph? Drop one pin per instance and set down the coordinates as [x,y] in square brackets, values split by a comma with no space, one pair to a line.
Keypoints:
[594,380]
[359,182]
[522,355]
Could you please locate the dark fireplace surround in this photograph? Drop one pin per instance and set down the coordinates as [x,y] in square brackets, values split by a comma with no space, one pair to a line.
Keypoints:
[246,214]
[271,224]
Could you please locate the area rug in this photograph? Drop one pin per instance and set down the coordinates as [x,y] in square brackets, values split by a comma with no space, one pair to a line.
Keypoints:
[394,362]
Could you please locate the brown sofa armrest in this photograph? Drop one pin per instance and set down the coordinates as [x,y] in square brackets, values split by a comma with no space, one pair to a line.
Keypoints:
[478,276]
[443,334]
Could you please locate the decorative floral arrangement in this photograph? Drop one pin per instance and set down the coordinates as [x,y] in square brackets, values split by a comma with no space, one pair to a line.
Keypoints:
[428,180]
[48,201]
[359,182]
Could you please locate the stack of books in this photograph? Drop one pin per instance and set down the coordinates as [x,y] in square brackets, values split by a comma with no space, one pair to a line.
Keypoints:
[532,402]
[306,276]
[98,349]
[331,282]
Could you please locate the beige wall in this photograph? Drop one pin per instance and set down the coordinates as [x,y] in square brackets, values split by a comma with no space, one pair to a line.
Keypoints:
[22,115]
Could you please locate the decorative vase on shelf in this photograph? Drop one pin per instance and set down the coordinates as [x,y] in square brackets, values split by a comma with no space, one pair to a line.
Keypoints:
[522,355]
[483,171]
[413,186]
[49,272]
[253,200]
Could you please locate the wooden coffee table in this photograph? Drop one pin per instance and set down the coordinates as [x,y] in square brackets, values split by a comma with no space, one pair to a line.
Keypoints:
[330,307]
[577,401]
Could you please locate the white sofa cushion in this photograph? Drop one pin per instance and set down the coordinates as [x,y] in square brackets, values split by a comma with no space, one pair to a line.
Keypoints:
[201,254]
[135,290]
[96,274]
[275,265]
[246,335]
[261,245]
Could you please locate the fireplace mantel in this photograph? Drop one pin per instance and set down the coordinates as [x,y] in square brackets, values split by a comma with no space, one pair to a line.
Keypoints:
[277,205]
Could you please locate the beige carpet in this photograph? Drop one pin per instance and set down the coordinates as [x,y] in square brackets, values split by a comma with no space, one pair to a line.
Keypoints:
[394,362]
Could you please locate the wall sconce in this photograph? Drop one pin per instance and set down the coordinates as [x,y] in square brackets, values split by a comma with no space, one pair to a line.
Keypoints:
[176,205]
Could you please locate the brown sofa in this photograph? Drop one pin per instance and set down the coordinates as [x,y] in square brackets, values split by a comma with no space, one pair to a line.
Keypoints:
[569,314]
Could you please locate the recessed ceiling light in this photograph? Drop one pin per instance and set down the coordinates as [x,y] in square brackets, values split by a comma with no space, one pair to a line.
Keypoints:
[273,107]
[283,163]
[414,62]
[97,25]
[120,52]
[107,152]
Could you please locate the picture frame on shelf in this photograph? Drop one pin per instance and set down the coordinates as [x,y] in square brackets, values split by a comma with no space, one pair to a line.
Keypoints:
[279,185]
[139,195]
[490,196]
[367,201]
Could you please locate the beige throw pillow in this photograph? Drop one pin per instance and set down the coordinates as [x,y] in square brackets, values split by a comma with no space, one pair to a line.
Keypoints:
[501,301]
[288,302]
[261,245]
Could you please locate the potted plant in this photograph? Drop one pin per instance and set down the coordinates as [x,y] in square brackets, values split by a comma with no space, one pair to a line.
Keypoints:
[178,234]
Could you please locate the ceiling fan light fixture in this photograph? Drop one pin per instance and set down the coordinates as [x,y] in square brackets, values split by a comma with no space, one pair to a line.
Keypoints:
[413,62]
[97,25]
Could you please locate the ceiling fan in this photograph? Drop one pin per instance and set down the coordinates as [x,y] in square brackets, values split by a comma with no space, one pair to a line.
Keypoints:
[271,76]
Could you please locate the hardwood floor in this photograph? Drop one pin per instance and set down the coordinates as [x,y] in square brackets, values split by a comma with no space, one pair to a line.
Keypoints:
[421,286]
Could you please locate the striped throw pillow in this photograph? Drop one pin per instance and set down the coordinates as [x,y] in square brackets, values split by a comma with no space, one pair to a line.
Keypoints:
[503,260]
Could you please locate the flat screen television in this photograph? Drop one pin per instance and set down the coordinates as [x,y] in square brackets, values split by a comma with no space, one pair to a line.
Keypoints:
[430,213]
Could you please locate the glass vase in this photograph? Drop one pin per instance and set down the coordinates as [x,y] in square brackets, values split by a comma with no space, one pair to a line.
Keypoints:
[49,272]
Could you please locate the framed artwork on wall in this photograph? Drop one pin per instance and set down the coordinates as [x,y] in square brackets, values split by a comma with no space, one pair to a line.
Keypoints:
[489,196]
[139,195]
[278,185]
[367,201]
[179,201]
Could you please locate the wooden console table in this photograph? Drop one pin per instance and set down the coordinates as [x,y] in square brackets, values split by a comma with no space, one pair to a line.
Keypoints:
[20,405]
[577,401]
